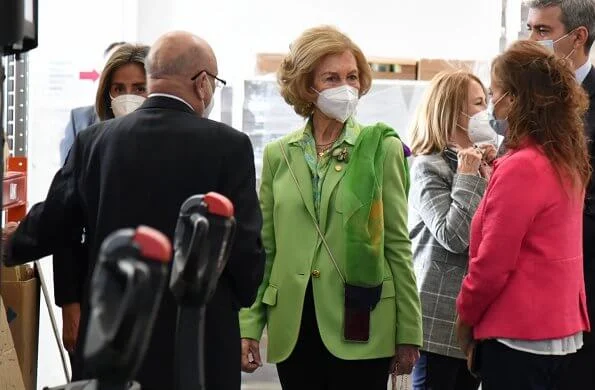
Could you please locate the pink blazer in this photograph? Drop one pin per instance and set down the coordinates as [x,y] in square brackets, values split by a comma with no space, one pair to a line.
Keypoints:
[525,277]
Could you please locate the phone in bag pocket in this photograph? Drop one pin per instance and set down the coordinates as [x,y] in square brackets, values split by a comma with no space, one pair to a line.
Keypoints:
[357,325]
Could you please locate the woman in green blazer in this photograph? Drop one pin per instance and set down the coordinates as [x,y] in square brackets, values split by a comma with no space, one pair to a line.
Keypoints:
[339,296]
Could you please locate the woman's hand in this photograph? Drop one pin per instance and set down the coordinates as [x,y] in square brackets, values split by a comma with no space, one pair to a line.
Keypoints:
[71,316]
[489,153]
[464,334]
[469,161]
[405,358]
[485,170]
[7,233]
[250,355]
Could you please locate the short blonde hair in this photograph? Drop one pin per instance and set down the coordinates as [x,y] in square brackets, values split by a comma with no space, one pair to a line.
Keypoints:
[124,55]
[438,115]
[295,75]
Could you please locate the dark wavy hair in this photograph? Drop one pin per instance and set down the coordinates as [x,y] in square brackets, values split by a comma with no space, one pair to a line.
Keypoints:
[548,107]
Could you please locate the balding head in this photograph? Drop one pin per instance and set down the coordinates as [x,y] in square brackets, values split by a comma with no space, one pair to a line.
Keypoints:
[174,59]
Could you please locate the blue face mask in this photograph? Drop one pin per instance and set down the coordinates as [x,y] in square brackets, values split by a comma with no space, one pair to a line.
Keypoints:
[500,126]
[547,43]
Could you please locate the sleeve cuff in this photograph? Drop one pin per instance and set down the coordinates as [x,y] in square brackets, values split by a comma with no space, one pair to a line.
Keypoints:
[410,335]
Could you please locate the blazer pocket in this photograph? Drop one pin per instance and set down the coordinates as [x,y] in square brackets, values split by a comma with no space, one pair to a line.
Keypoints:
[347,203]
[270,296]
[388,289]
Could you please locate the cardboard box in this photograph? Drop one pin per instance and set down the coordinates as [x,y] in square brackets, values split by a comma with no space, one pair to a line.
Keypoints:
[428,68]
[393,68]
[382,68]
[20,292]
[268,63]
[10,374]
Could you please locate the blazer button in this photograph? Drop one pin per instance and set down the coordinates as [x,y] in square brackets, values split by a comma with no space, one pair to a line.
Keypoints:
[338,168]
[316,273]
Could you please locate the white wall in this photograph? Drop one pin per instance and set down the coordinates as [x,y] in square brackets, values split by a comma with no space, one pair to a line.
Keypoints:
[237,29]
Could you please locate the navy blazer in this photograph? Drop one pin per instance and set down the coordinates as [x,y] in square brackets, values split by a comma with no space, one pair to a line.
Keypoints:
[589,217]
[80,119]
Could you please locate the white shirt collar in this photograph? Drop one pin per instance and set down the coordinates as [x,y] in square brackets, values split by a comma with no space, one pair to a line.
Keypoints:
[582,72]
[172,97]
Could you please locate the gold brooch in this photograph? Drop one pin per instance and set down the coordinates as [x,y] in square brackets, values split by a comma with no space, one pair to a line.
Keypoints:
[341,154]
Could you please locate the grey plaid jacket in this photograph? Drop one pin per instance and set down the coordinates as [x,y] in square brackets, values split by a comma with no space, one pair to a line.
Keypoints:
[441,206]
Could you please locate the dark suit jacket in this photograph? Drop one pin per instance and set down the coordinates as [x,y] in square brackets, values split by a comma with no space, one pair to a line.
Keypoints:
[589,219]
[139,169]
[69,264]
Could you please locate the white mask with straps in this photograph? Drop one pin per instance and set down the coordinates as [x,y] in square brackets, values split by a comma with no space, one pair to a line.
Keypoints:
[338,103]
[549,43]
[479,129]
[125,104]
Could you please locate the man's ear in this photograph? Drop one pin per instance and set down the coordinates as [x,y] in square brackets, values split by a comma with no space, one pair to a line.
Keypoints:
[582,34]
[200,86]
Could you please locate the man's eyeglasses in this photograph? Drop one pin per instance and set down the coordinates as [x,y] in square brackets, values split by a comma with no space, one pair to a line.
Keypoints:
[219,83]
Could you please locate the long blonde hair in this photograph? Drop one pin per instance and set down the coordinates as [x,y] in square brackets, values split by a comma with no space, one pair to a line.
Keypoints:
[437,116]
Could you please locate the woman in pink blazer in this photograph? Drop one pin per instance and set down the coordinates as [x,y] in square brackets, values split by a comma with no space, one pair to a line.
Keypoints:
[524,295]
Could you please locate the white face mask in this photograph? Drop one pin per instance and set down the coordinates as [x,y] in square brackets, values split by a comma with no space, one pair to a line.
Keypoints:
[338,103]
[479,129]
[125,104]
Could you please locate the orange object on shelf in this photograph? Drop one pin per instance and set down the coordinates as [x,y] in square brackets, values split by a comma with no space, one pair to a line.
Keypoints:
[14,189]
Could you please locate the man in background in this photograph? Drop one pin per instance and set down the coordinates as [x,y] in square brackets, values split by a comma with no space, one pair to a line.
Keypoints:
[67,293]
[569,27]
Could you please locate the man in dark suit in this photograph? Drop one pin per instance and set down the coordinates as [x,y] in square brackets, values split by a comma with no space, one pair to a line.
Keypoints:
[139,169]
[569,25]
[67,270]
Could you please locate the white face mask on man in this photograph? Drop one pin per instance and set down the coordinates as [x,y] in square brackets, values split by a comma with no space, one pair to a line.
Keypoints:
[479,129]
[338,103]
[125,104]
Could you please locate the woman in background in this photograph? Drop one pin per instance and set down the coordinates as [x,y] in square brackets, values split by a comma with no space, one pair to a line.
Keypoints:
[453,147]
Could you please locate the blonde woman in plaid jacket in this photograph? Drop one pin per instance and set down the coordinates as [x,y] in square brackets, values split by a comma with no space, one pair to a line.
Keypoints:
[452,143]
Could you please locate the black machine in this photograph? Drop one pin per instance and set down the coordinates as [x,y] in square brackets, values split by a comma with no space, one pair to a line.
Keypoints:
[18,34]
[127,287]
[18,26]
[203,239]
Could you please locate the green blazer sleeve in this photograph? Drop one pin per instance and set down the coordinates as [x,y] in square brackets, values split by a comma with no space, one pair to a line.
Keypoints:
[253,319]
[397,246]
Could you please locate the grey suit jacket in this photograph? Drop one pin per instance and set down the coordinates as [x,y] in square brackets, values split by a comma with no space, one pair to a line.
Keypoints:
[441,206]
[80,119]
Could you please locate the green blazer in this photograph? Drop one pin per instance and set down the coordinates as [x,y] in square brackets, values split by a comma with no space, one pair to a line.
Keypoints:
[295,254]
